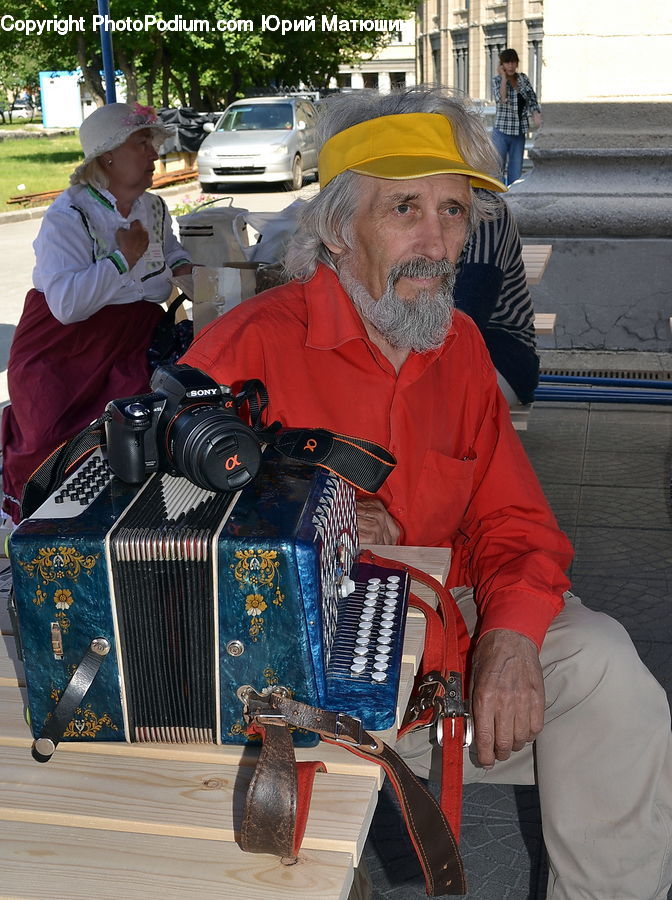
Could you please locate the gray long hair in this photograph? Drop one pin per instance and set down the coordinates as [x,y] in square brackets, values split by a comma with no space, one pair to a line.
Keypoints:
[92,173]
[328,217]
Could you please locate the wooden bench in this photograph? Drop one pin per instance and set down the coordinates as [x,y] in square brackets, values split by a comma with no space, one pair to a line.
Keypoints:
[535,259]
[161,820]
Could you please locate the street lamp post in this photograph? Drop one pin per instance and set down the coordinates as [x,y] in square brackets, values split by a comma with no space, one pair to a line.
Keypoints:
[108,58]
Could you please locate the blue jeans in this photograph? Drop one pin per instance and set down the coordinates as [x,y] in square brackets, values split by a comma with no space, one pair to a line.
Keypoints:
[511,146]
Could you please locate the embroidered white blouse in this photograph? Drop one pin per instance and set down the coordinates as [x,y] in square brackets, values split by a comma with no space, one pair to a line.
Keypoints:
[79,266]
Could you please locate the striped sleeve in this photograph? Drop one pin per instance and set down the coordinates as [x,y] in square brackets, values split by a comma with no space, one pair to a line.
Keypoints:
[497,241]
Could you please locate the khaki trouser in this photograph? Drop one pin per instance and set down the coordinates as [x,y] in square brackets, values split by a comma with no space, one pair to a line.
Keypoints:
[603,762]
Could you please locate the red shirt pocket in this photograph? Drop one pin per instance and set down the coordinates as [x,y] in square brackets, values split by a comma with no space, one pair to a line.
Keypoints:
[442,495]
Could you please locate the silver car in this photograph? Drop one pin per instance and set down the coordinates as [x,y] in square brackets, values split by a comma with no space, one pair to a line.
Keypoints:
[263,139]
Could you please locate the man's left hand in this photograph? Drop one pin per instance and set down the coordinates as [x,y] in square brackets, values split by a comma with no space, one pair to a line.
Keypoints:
[507,695]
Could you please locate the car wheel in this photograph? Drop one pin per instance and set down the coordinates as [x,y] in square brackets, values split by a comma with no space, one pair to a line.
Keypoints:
[296,181]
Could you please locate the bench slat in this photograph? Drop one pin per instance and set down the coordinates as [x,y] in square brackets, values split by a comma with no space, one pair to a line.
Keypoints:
[80,863]
[178,798]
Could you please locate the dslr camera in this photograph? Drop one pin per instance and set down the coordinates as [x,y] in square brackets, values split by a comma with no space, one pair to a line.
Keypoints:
[187,426]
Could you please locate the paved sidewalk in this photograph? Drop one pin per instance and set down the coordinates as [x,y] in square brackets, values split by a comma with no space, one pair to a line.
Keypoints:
[606,472]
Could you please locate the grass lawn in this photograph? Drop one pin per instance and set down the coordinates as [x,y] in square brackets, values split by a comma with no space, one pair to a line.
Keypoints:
[40,164]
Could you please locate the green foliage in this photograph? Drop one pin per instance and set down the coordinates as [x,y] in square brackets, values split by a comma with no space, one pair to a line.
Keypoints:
[204,70]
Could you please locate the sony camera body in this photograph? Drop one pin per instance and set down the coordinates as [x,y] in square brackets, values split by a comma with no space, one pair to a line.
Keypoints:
[187,426]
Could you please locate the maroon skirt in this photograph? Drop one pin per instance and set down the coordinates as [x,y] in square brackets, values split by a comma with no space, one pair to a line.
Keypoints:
[60,378]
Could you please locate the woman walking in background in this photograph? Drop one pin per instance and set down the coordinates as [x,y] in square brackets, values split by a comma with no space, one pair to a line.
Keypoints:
[515,99]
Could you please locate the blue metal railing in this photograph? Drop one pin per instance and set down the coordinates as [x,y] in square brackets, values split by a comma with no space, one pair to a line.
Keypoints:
[589,389]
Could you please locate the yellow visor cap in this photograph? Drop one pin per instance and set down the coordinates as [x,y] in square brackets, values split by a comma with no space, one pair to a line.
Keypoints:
[409,145]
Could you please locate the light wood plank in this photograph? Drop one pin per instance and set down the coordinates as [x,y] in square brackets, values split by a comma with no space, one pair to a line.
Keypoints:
[11,668]
[178,798]
[39,861]
[414,641]
[15,733]
[544,323]
[519,418]
[435,561]
[535,260]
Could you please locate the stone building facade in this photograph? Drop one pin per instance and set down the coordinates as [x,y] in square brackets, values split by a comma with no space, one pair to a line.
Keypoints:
[459,41]
[392,67]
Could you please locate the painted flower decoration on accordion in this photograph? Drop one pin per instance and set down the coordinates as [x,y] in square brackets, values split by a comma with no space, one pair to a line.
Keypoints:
[257,572]
[63,599]
[255,605]
[141,115]
[55,563]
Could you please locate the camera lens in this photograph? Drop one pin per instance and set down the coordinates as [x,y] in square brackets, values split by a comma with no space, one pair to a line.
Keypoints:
[215,450]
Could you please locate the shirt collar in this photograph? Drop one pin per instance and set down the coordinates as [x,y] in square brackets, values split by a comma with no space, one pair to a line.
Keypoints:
[106,199]
[333,319]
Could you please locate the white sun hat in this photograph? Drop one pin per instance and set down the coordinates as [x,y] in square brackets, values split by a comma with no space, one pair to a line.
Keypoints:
[109,126]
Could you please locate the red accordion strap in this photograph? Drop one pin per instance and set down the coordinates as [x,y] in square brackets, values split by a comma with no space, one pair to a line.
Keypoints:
[441,654]
[433,828]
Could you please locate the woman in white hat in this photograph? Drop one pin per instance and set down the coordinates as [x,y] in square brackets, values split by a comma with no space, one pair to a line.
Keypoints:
[104,258]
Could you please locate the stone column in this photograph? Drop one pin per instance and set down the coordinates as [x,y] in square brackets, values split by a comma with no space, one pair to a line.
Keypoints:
[601,188]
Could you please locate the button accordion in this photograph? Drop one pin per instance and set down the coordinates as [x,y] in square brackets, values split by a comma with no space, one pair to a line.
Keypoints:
[200,594]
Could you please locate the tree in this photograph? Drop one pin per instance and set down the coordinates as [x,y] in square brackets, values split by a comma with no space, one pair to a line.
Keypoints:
[202,69]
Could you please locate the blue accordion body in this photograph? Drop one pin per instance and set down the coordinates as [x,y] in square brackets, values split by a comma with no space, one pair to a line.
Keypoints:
[199,594]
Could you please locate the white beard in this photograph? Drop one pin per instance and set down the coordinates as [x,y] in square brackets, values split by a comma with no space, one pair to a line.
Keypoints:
[420,324]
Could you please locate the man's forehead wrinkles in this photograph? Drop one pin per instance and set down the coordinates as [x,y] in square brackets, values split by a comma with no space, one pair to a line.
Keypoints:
[451,195]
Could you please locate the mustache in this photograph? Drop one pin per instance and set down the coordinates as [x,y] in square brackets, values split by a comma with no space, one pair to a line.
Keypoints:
[421,268]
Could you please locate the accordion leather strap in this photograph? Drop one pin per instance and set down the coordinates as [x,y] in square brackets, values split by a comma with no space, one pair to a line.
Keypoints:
[278,798]
[77,688]
[427,825]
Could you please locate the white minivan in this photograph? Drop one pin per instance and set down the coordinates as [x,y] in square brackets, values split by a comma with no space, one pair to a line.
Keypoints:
[262,139]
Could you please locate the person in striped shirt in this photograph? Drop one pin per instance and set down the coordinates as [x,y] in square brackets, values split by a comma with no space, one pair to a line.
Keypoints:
[491,287]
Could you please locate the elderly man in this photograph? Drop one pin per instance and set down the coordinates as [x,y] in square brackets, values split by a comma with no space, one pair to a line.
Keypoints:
[365,341]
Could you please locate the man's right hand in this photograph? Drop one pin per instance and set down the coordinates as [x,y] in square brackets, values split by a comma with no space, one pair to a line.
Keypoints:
[375,524]
[133,242]
[507,694]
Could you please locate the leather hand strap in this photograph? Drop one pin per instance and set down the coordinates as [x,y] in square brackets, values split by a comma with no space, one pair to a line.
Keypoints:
[278,798]
[270,808]
[428,827]
[73,695]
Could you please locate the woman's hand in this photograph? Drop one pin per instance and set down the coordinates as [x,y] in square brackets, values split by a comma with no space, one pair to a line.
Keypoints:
[375,524]
[536,118]
[132,242]
[184,269]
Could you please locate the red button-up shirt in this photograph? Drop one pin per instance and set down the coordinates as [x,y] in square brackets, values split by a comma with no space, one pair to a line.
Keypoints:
[462,479]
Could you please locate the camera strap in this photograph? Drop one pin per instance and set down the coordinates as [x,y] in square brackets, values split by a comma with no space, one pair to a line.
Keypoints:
[363,464]
[51,474]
